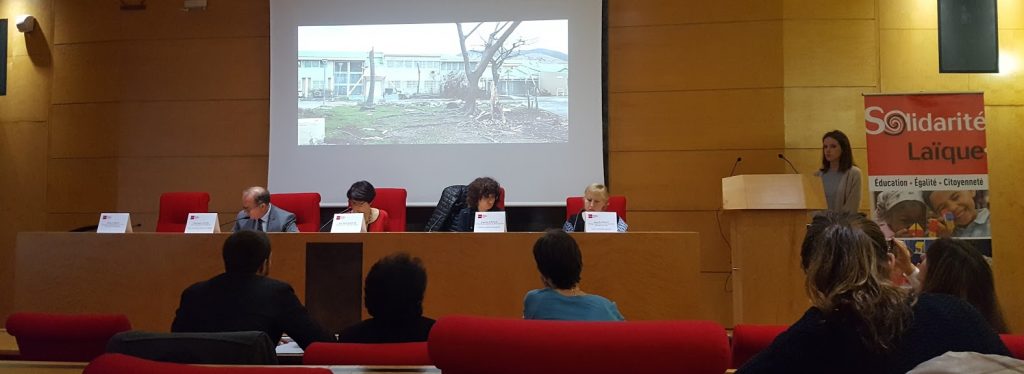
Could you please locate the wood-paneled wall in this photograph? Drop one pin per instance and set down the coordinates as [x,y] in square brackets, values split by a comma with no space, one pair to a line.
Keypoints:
[108,108]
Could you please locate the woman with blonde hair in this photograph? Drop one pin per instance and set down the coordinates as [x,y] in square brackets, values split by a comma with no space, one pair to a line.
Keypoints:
[595,199]
[859,321]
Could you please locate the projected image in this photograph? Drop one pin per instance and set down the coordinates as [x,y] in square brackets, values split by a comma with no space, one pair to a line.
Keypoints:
[444,83]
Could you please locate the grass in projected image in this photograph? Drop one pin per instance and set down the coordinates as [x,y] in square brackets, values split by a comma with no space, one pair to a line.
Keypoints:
[490,82]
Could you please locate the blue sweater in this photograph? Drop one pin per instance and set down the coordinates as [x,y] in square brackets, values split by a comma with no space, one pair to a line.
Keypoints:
[547,303]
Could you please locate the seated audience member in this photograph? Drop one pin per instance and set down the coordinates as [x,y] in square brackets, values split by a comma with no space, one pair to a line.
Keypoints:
[954,267]
[560,263]
[859,321]
[243,298]
[360,196]
[259,215]
[968,208]
[394,298]
[481,196]
[595,199]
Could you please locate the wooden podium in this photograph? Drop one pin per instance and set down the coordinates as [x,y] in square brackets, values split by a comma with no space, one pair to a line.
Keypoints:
[769,215]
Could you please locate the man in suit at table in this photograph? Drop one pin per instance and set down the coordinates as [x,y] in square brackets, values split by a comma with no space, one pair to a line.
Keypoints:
[259,215]
[243,298]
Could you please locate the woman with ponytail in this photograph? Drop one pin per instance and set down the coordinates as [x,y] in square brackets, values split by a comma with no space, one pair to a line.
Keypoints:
[859,321]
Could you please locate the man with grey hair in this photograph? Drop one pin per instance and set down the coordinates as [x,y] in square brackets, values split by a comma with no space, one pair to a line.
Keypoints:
[259,215]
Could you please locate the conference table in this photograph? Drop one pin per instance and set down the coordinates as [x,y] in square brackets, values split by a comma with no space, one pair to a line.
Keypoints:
[650,275]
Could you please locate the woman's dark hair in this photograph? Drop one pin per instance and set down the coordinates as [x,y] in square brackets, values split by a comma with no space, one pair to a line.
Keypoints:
[395,286]
[362,191]
[558,258]
[845,158]
[845,258]
[956,268]
[245,251]
[479,189]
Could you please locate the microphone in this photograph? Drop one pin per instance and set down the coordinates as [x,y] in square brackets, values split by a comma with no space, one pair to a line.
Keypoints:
[734,165]
[349,209]
[789,163]
[232,221]
[576,217]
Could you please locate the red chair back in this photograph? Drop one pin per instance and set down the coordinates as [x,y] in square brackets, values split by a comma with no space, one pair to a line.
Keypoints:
[501,199]
[462,344]
[390,354]
[749,340]
[64,337]
[392,200]
[1015,343]
[305,206]
[616,203]
[175,207]
[115,363]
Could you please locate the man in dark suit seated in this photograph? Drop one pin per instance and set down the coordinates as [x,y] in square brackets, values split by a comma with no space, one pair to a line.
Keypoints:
[259,215]
[243,298]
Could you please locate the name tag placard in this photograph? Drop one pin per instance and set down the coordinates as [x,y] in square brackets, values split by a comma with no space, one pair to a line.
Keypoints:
[348,223]
[114,223]
[601,222]
[489,222]
[202,223]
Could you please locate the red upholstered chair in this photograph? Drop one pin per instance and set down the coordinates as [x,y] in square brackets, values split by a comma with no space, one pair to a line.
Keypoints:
[391,354]
[64,337]
[175,207]
[305,206]
[115,363]
[392,200]
[616,203]
[501,198]
[1015,343]
[749,340]
[461,344]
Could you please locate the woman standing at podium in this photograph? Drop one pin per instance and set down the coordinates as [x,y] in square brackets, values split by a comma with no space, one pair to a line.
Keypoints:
[839,176]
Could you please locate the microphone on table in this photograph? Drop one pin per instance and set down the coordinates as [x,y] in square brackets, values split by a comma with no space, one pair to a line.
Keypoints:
[783,157]
[232,221]
[576,217]
[349,209]
[734,165]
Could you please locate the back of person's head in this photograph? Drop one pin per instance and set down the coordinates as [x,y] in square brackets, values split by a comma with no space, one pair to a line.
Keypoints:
[956,268]
[480,188]
[245,251]
[362,191]
[558,259]
[847,262]
[395,286]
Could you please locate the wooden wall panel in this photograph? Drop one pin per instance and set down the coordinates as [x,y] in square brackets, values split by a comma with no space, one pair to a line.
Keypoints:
[691,120]
[674,12]
[660,58]
[830,53]
[142,180]
[814,9]
[683,180]
[910,63]
[812,111]
[1005,137]
[84,185]
[87,73]
[84,131]
[22,167]
[28,89]
[907,14]
[91,21]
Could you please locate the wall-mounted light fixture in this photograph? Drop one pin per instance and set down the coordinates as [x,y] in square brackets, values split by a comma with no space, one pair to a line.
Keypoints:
[26,23]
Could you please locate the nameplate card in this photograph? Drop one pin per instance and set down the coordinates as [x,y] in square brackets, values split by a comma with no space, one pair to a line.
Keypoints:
[489,222]
[114,223]
[202,223]
[349,223]
[601,222]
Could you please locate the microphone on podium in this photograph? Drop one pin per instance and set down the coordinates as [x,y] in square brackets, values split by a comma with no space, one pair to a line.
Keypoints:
[783,157]
[349,209]
[734,165]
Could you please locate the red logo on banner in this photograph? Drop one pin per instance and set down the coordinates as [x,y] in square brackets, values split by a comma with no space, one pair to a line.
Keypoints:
[926,134]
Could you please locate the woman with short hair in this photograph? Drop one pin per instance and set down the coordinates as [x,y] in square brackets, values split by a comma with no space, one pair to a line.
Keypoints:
[560,263]
[360,197]
[481,196]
